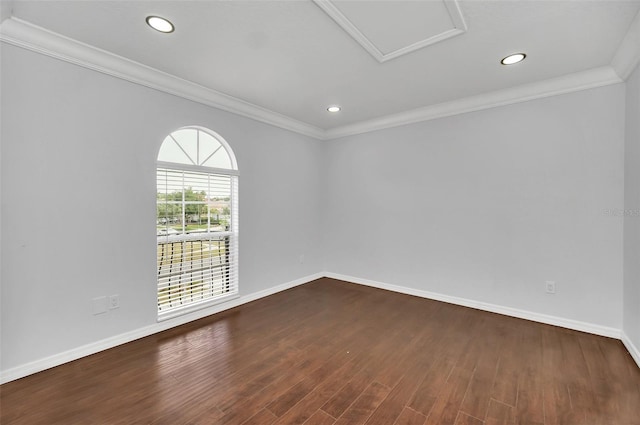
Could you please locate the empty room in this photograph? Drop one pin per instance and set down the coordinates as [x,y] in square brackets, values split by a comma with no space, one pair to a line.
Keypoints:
[421,212]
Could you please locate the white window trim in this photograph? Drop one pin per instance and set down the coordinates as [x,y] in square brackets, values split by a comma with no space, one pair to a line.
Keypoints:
[233,233]
[196,168]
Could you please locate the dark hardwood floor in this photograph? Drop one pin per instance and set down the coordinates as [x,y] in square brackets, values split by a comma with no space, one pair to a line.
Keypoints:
[330,352]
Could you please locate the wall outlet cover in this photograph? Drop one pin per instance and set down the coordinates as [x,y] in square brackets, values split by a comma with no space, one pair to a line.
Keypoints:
[550,287]
[114,301]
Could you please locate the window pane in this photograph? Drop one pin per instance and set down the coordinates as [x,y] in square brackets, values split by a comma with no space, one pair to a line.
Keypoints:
[169,218]
[191,271]
[208,145]
[194,147]
[220,213]
[219,160]
[170,152]
[187,139]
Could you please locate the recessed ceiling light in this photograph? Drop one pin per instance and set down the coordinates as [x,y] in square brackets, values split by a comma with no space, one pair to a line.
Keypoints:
[514,58]
[333,108]
[159,24]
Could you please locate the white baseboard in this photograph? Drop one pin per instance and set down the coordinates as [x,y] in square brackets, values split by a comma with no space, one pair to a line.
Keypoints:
[507,311]
[95,347]
[633,350]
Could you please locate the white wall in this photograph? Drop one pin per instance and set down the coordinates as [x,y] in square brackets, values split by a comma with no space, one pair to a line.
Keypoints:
[78,202]
[485,206]
[489,205]
[5,9]
[631,325]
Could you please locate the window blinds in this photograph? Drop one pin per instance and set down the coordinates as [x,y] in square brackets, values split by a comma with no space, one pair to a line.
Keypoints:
[197,239]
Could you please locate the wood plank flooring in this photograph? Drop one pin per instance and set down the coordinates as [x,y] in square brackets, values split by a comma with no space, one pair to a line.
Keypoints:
[333,353]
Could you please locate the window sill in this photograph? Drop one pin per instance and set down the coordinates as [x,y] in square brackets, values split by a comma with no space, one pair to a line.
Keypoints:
[182,311]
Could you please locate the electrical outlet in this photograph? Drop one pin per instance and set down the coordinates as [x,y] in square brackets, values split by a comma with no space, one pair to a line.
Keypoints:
[550,287]
[114,301]
[301,258]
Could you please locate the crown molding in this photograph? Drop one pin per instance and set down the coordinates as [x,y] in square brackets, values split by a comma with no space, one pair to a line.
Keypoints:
[28,36]
[627,58]
[578,81]
[459,27]
[40,40]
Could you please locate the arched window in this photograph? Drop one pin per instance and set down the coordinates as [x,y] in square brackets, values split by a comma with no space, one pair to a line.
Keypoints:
[197,221]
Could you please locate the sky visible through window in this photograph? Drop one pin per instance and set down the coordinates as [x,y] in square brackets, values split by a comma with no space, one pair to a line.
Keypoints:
[194,147]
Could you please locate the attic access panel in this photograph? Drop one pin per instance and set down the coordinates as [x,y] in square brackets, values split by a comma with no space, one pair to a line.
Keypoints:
[389,29]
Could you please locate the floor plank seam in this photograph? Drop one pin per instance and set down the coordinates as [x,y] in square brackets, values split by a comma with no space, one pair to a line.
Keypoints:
[404,359]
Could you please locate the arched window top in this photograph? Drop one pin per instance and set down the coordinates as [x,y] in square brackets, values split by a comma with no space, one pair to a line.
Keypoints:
[199,147]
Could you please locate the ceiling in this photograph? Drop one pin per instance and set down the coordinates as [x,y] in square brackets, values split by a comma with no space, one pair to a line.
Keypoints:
[289,60]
